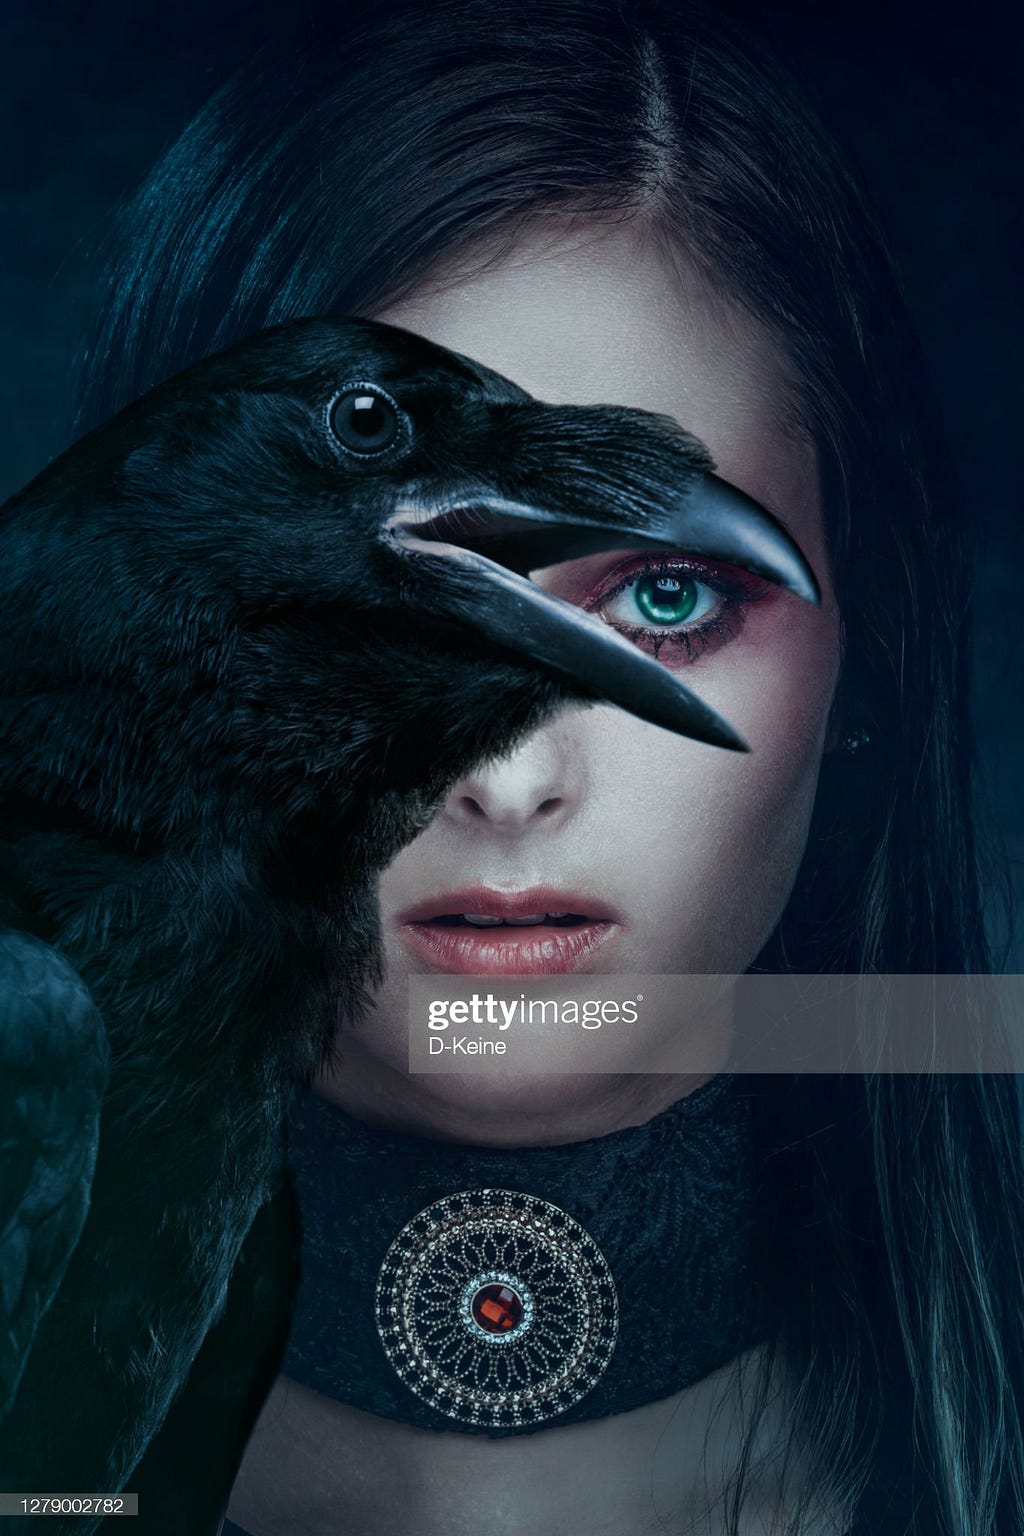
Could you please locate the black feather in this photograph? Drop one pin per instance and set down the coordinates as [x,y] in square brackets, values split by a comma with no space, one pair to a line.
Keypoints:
[233,683]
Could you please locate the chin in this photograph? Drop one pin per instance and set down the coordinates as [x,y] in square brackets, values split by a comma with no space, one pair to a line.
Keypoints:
[499,1105]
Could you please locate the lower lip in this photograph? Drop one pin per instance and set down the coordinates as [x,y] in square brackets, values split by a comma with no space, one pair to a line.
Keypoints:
[539,951]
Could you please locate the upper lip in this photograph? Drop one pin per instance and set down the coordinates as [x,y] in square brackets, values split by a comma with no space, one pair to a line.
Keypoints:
[506,904]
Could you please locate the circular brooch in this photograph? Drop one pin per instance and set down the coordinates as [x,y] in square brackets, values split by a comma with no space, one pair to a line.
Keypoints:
[497,1308]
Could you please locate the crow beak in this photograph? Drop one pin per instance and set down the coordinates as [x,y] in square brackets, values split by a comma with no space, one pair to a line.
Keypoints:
[510,611]
[474,557]
[710,517]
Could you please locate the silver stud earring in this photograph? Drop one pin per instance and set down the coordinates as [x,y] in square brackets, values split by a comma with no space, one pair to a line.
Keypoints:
[855,740]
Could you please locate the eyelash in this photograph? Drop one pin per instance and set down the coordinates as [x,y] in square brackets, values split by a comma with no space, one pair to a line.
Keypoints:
[737,590]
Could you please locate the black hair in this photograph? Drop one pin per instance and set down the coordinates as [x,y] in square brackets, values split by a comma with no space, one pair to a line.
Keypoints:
[332,175]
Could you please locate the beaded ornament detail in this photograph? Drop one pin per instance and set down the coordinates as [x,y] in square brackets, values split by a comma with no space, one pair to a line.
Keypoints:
[494,1267]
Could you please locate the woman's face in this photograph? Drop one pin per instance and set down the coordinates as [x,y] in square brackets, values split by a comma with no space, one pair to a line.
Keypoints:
[686,852]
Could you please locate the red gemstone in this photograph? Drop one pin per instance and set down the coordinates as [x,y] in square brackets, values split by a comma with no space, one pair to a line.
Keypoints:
[497,1308]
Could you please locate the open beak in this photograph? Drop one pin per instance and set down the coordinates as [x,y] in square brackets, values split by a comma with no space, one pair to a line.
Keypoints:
[710,517]
[472,555]
[511,611]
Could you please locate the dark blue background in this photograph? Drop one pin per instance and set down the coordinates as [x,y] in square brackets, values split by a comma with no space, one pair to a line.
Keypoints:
[925,100]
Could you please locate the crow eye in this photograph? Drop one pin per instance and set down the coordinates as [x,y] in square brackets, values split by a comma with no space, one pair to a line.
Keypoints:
[364,419]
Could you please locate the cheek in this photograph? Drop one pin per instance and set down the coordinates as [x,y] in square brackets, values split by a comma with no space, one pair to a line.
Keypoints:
[717,837]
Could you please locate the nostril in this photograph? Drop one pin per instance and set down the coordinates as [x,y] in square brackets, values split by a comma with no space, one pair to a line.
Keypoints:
[507,812]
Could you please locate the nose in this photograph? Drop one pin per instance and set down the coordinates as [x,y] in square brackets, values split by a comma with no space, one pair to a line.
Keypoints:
[537,788]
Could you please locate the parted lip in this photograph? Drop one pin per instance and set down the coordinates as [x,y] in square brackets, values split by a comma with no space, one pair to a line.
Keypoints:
[508,904]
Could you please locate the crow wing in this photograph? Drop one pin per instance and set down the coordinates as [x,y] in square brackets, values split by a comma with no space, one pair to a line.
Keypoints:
[54,1061]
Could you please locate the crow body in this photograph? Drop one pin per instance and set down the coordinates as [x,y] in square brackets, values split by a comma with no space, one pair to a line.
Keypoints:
[250,632]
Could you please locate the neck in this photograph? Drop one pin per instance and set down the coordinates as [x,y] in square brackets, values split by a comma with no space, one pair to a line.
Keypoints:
[632,1250]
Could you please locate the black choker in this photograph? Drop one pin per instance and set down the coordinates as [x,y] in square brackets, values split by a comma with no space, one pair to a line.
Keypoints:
[496,1291]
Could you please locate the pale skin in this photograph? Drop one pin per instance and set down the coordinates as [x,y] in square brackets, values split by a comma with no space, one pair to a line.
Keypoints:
[697,849]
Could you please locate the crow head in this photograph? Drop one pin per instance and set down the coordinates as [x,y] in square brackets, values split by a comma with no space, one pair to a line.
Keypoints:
[295,578]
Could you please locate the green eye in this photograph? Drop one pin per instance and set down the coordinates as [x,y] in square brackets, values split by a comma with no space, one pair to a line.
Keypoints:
[666,599]
[660,599]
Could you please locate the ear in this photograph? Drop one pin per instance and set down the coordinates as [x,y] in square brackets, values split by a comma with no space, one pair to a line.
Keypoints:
[840,715]
[848,714]
[834,735]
